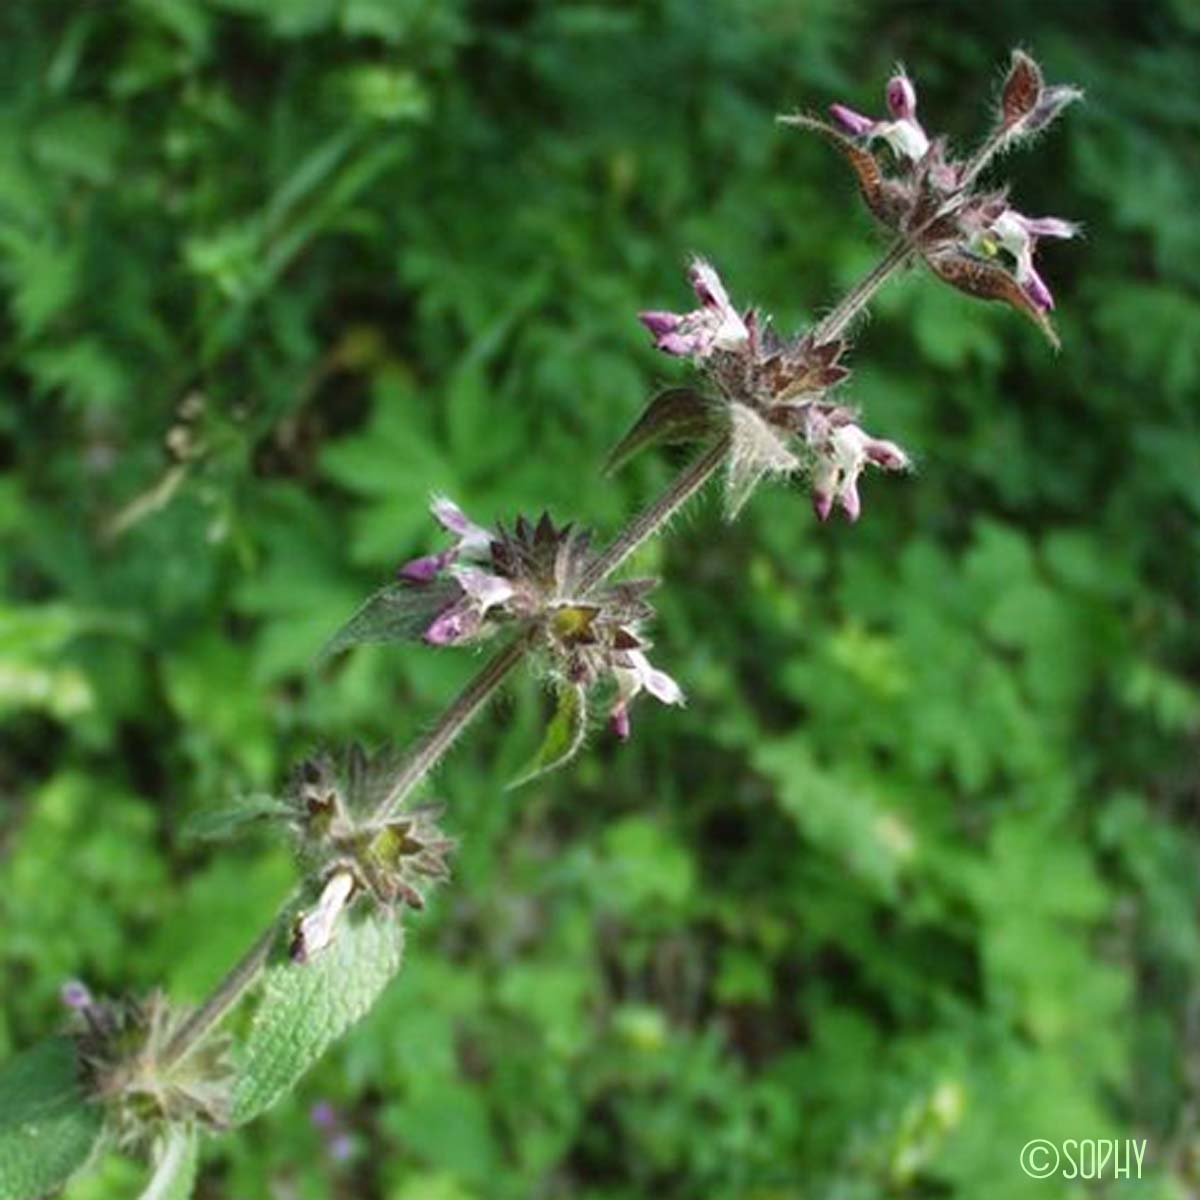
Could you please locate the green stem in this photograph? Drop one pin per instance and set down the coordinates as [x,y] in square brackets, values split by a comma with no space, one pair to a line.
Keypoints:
[654,516]
[224,997]
[473,698]
[428,752]
[861,294]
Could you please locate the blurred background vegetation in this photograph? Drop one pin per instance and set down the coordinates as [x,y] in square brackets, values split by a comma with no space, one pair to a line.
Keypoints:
[914,877]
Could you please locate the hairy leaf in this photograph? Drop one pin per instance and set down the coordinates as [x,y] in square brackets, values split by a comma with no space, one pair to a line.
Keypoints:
[47,1126]
[676,415]
[756,451]
[987,281]
[879,194]
[245,810]
[175,1166]
[564,735]
[396,613]
[305,1008]
[1022,89]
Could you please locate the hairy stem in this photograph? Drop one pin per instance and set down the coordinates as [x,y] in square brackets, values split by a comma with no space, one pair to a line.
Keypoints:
[860,295]
[427,753]
[654,516]
[473,698]
[224,997]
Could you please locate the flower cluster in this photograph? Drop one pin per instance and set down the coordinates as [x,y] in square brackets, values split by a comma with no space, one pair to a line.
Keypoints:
[391,860]
[534,575]
[122,1048]
[772,399]
[972,238]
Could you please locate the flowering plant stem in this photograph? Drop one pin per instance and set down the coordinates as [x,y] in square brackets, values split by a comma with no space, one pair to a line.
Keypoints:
[473,698]
[224,997]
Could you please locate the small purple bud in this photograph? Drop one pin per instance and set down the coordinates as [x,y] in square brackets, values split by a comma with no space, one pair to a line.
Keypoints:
[901,97]
[620,721]
[323,1115]
[452,625]
[424,569]
[853,122]
[822,503]
[75,995]
[660,323]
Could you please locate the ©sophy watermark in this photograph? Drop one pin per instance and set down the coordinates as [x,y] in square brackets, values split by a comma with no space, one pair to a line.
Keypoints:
[1084,1158]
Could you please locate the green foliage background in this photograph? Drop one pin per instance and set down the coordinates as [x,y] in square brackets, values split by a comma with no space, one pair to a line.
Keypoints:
[914,877]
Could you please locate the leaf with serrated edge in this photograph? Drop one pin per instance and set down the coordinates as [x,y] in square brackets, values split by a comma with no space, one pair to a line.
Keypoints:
[396,613]
[676,415]
[564,735]
[303,1009]
[175,1166]
[47,1126]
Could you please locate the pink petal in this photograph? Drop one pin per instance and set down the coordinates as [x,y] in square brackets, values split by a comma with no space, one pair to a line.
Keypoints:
[851,503]
[425,569]
[453,625]
[886,454]
[450,517]
[708,286]
[901,97]
[660,323]
[1051,227]
[853,122]
[619,721]
[1037,291]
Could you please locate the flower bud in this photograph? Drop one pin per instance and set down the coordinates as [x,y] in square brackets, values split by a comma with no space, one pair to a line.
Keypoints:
[853,122]
[901,98]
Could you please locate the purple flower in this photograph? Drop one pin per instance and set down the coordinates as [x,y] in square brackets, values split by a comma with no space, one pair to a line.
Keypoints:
[842,452]
[473,541]
[903,133]
[1019,235]
[75,995]
[716,325]
[482,591]
[637,677]
[339,1144]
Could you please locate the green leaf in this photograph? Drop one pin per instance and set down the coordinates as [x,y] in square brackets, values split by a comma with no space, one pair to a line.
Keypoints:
[175,1166]
[305,1008]
[245,810]
[398,612]
[564,735]
[47,1127]
[676,415]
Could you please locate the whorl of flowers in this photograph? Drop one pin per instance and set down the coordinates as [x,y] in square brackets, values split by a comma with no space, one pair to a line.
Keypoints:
[533,575]
[971,237]
[331,808]
[770,396]
[124,1061]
